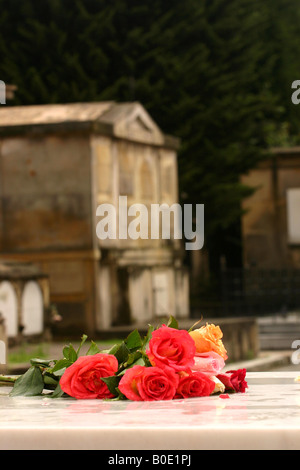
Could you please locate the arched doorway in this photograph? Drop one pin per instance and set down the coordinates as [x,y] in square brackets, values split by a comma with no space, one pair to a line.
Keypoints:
[32,309]
[9,308]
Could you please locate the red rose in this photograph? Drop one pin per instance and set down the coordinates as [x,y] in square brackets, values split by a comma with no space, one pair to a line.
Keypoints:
[172,348]
[83,378]
[194,384]
[234,380]
[141,383]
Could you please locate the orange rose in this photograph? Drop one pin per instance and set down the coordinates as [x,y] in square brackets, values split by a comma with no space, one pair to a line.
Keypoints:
[208,338]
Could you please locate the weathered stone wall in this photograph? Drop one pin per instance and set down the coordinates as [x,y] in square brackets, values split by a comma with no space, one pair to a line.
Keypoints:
[46,218]
[265,224]
[45,193]
[144,174]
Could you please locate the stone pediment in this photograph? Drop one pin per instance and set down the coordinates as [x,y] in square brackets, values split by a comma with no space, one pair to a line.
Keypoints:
[131,121]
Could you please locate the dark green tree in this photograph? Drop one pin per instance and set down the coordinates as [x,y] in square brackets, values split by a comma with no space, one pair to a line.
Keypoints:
[212,72]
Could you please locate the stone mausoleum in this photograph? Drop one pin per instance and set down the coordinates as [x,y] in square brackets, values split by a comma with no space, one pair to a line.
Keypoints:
[271,224]
[58,163]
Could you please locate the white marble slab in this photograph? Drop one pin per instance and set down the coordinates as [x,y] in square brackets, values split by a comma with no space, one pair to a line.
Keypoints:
[267,416]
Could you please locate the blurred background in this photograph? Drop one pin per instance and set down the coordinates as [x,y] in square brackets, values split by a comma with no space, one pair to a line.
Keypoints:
[162,102]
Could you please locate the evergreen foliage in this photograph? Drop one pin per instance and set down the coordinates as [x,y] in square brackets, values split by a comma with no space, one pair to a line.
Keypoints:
[215,73]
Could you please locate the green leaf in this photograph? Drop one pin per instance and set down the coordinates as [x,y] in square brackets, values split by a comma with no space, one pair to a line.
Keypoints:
[172,323]
[119,396]
[69,353]
[60,367]
[122,353]
[58,392]
[112,383]
[138,362]
[113,349]
[133,357]
[29,384]
[83,340]
[93,349]
[49,379]
[66,352]
[41,362]
[147,338]
[133,340]
[73,356]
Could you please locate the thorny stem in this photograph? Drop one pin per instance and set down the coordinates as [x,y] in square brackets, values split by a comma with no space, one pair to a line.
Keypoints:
[6,379]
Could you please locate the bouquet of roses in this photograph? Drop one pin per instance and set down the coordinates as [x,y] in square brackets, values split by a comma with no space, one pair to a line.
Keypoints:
[168,363]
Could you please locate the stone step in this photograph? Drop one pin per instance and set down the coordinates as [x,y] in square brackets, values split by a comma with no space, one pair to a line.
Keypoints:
[280,328]
[277,341]
[278,333]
